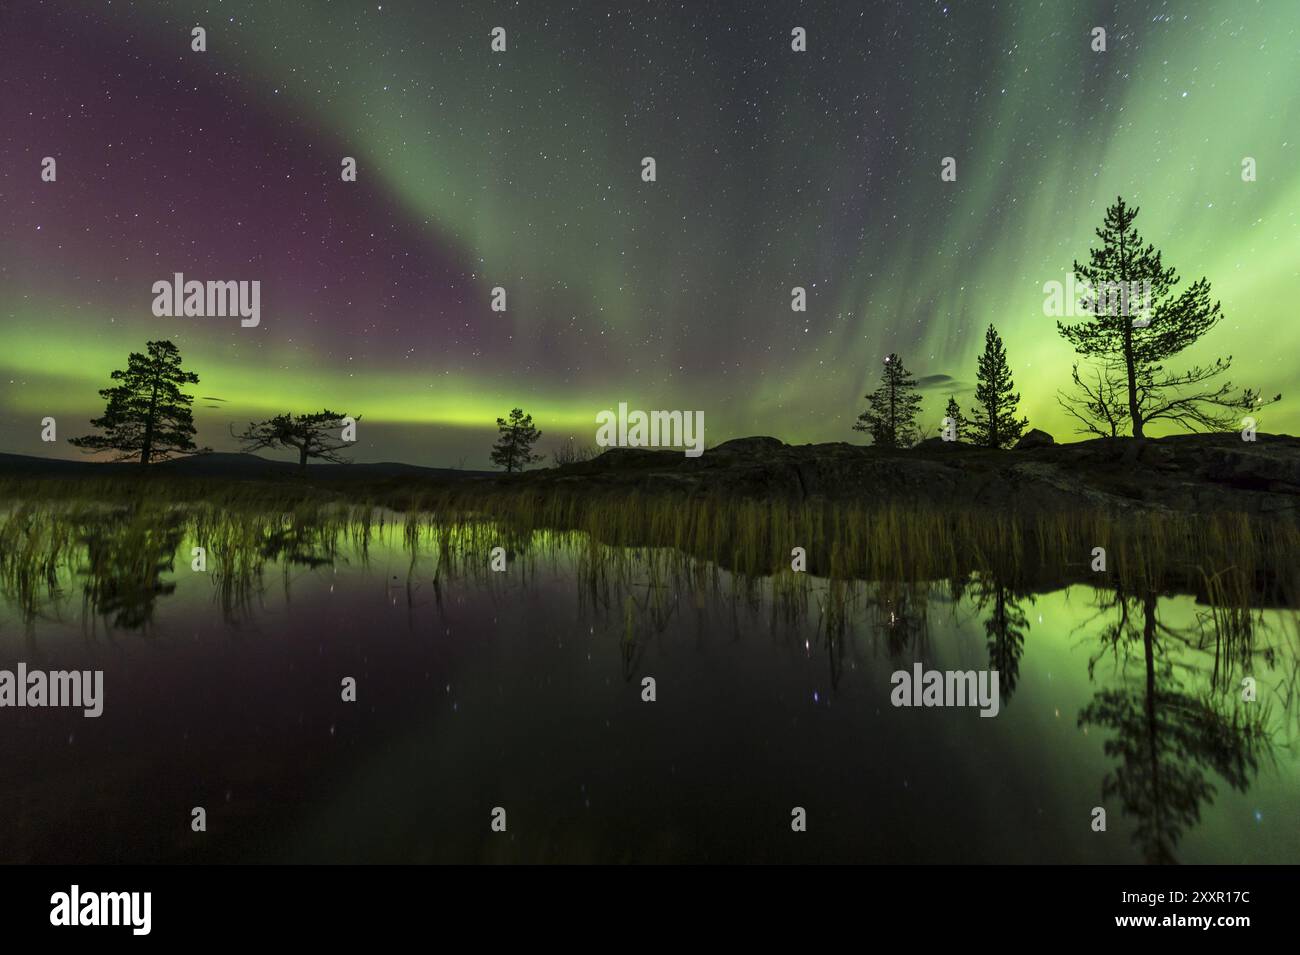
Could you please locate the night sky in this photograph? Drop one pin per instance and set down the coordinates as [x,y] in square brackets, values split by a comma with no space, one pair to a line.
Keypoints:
[523,169]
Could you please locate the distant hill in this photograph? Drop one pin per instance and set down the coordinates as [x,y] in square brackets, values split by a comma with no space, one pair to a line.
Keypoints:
[25,464]
[232,466]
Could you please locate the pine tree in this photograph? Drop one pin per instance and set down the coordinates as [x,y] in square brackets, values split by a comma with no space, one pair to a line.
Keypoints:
[1120,269]
[514,448]
[993,419]
[310,435]
[892,408]
[954,413]
[147,415]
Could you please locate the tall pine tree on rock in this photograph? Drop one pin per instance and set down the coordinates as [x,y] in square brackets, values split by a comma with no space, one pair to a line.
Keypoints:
[993,422]
[892,408]
[147,416]
[1124,267]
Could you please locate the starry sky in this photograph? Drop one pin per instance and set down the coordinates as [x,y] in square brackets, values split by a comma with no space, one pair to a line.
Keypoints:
[522,169]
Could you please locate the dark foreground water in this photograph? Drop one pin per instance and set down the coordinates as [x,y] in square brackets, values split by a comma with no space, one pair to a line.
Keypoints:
[523,690]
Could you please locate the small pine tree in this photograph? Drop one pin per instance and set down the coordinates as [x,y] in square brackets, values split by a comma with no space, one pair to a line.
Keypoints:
[514,448]
[993,419]
[954,412]
[147,415]
[892,408]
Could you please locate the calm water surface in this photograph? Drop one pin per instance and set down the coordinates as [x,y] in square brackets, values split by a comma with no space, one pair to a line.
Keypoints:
[523,690]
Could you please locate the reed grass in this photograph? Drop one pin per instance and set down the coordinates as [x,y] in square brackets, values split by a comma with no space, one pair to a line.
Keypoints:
[1223,556]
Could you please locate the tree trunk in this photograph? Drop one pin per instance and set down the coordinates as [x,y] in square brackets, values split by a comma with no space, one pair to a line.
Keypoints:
[146,444]
[1152,723]
[893,417]
[1134,414]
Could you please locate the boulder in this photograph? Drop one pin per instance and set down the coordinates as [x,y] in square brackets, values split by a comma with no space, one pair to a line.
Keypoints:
[1034,439]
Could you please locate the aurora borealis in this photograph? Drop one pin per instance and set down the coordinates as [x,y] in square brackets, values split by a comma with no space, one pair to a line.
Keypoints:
[521,169]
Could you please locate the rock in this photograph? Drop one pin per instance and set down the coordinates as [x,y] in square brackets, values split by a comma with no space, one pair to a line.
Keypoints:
[1190,473]
[750,445]
[939,444]
[1034,439]
[1251,465]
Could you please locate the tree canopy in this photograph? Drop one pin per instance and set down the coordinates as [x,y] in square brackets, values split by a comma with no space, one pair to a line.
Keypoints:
[892,408]
[993,421]
[317,435]
[147,415]
[514,448]
[1131,351]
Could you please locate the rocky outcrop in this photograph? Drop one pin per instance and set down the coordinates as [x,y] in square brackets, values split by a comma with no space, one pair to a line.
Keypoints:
[1034,439]
[1194,473]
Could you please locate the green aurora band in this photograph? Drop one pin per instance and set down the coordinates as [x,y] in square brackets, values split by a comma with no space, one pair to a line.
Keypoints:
[528,165]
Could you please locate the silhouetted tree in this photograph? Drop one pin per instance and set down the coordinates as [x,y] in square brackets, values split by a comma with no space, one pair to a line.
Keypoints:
[1099,403]
[1005,628]
[316,435]
[128,553]
[899,611]
[892,408]
[514,448]
[1168,743]
[993,422]
[1122,268]
[953,411]
[147,415]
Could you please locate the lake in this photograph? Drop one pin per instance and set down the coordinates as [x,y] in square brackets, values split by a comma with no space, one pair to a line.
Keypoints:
[522,690]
